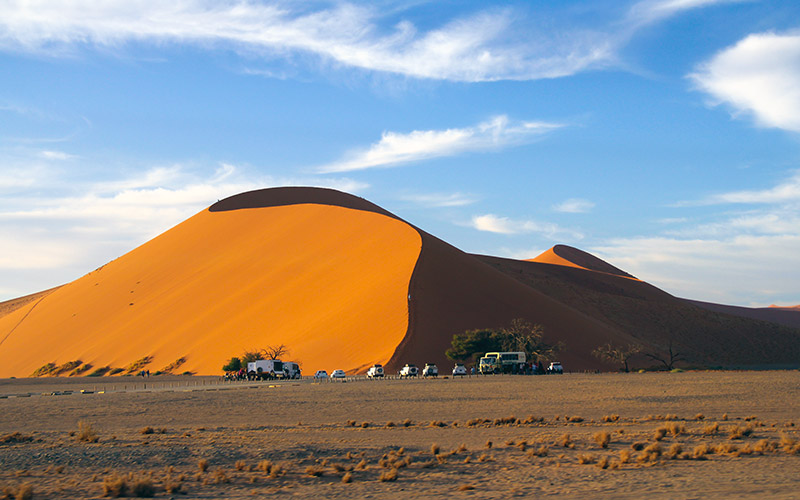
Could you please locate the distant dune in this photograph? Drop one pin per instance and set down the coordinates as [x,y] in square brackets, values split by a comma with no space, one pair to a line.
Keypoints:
[344,284]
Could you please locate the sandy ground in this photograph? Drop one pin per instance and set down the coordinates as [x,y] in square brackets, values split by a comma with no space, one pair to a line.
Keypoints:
[331,428]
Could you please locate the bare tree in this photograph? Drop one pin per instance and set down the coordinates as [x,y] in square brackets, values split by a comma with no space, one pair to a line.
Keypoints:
[667,361]
[529,338]
[617,354]
[275,351]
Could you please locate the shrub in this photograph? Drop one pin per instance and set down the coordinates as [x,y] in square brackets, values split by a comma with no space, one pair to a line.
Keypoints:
[86,433]
[660,433]
[219,476]
[146,430]
[676,429]
[313,470]
[542,451]
[603,463]
[143,488]
[99,372]
[114,371]
[674,450]
[575,419]
[700,451]
[602,438]
[586,459]
[740,432]
[233,365]
[566,441]
[45,370]
[202,464]
[68,366]
[611,418]
[115,486]
[390,475]
[137,365]
[241,465]
[265,466]
[710,430]
[624,456]
[170,368]
[650,454]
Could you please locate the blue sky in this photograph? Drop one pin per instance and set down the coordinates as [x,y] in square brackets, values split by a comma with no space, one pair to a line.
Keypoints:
[662,136]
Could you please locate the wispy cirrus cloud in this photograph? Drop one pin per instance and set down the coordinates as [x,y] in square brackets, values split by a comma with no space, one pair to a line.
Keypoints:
[440,199]
[396,148]
[487,45]
[759,76]
[787,191]
[574,206]
[503,225]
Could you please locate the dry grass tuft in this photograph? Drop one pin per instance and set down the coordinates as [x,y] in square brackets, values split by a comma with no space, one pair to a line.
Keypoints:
[115,486]
[611,418]
[711,429]
[740,432]
[15,437]
[674,451]
[466,487]
[241,465]
[351,423]
[86,433]
[790,445]
[603,463]
[315,471]
[505,420]
[566,441]
[650,454]
[146,430]
[22,492]
[277,471]
[624,456]
[142,487]
[542,451]
[389,424]
[602,438]
[660,433]
[362,465]
[726,449]
[724,416]
[575,419]
[676,429]
[202,464]
[390,475]
[364,425]
[219,477]
[586,459]
[347,478]
[485,458]
[434,449]
[638,445]
[441,458]
[488,444]
[700,451]
[437,423]
[265,466]
[699,416]
[407,422]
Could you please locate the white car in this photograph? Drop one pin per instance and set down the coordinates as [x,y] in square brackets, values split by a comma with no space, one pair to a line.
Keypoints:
[409,371]
[338,374]
[555,367]
[375,370]
[430,370]
[321,374]
[459,370]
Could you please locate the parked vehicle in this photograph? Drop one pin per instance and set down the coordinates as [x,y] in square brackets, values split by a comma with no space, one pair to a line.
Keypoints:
[430,370]
[502,362]
[321,374]
[409,370]
[555,367]
[459,370]
[375,371]
[338,374]
[265,369]
[292,370]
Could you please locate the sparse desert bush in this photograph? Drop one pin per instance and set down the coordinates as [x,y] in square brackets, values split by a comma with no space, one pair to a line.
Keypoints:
[531,419]
[137,365]
[45,370]
[434,449]
[202,464]
[265,466]
[68,366]
[219,477]
[700,451]
[624,456]
[740,432]
[241,465]
[441,458]
[114,371]
[142,487]
[15,437]
[585,459]
[505,420]
[676,429]
[347,478]
[660,433]
[710,430]
[790,445]
[726,449]
[115,486]
[575,419]
[389,424]
[146,430]
[603,463]
[650,454]
[699,416]
[351,423]
[390,475]
[542,451]
[171,486]
[488,444]
[172,367]
[86,433]
[313,470]
[437,423]
[602,438]
[361,465]
[611,418]
[81,370]
[724,416]
[364,425]
[566,441]
[99,372]
[674,450]
[510,442]
[407,422]
[522,445]
[276,471]
[485,458]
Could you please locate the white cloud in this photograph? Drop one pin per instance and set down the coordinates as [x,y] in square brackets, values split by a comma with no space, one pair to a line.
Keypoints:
[786,192]
[503,225]
[574,206]
[650,11]
[440,199]
[68,231]
[493,44]
[56,155]
[396,148]
[759,76]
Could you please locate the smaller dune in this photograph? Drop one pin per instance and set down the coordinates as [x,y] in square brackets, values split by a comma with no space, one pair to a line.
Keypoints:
[563,255]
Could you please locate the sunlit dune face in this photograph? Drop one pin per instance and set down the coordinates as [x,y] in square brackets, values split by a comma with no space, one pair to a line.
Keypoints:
[329,282]
[551,257]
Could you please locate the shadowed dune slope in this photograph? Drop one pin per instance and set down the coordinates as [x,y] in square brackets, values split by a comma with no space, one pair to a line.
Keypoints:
[330,282]
[654,318]
[789,316]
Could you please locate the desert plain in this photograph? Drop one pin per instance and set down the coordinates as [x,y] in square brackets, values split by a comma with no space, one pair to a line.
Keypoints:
[703,434]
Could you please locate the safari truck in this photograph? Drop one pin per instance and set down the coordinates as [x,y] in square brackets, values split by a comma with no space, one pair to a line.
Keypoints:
[265,369]
[501,362]
[292,370]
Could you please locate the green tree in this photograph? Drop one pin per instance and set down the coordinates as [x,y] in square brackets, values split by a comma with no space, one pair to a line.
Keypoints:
[234,365]
[521,336]
[470,345]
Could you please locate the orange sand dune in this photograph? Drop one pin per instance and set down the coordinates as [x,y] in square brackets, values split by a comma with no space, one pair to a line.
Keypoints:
[563,255]
[328,281]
